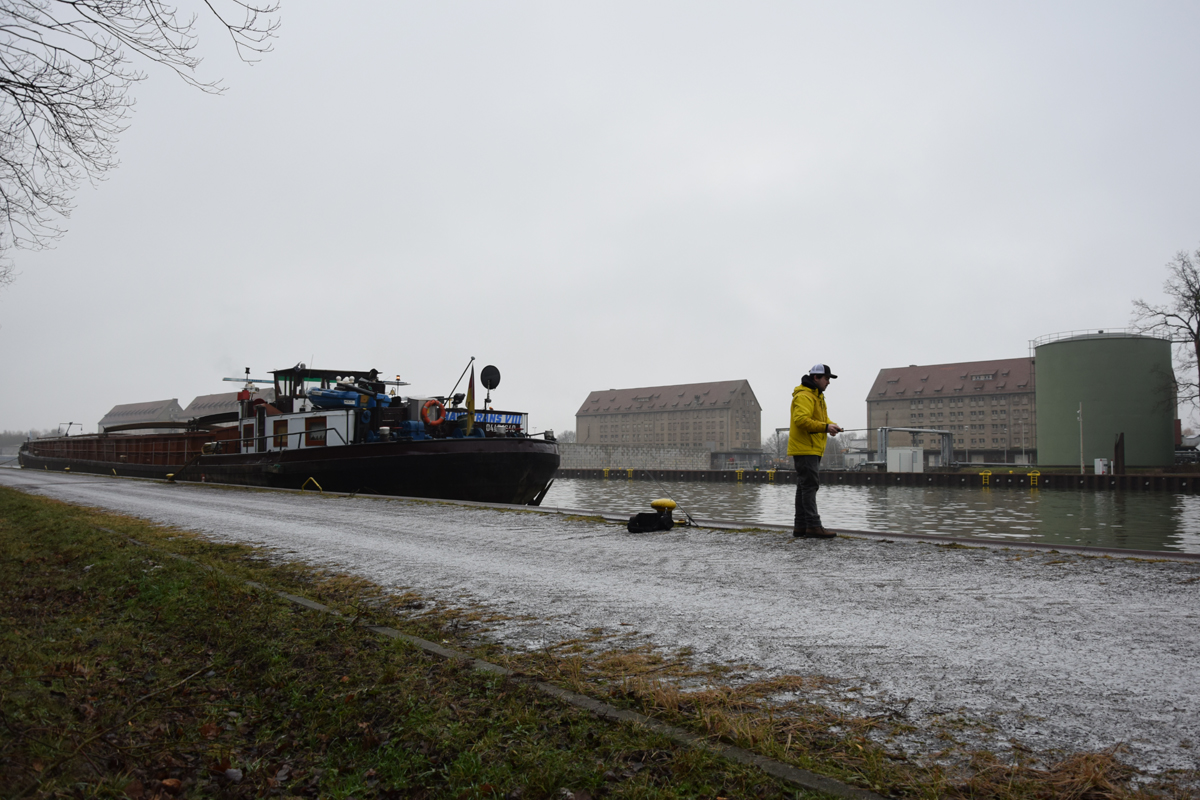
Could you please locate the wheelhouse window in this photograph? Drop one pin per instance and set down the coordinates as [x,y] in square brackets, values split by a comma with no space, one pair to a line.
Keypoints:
[314,432]
[281,429]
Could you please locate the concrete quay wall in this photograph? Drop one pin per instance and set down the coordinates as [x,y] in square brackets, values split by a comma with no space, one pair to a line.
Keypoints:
[1182,484]
[600,456]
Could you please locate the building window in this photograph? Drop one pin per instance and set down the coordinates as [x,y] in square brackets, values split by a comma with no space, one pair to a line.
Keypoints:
[280,429]
[314,432]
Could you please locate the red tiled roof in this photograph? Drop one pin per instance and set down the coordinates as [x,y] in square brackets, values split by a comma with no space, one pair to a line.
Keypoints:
[1003,375]
[681,397]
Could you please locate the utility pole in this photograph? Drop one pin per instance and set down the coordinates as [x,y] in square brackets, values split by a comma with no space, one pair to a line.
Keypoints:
[1081,472]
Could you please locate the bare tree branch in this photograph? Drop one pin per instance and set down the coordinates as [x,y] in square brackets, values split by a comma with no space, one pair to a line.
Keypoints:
[1178,320]
[66,67]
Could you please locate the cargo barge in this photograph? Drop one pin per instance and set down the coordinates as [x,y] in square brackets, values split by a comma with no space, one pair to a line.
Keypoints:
[332,430]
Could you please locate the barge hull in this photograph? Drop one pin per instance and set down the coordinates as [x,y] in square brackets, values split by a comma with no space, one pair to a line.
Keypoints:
[485,470]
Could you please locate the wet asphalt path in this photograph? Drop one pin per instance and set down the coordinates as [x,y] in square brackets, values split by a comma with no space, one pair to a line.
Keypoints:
[1055,651]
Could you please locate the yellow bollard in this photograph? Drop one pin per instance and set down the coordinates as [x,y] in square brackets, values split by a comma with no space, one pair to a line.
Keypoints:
[606,473]
[771,476]
[739,473]
[313,481]
[628,473]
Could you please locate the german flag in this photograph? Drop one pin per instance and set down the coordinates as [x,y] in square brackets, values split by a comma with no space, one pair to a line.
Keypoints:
[471,401]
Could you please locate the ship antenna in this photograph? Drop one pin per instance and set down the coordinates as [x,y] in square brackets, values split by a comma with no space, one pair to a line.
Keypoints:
[460,377]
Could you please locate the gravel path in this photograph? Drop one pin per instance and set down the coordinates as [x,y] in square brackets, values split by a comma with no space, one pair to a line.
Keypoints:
[1056,652]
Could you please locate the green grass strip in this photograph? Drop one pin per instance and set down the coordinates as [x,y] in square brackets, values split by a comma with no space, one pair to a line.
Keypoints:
[127,673]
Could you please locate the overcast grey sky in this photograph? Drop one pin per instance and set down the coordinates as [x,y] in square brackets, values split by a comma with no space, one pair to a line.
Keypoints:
[619,194]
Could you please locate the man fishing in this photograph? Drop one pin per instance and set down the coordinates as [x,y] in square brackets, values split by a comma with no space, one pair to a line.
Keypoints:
[809,429]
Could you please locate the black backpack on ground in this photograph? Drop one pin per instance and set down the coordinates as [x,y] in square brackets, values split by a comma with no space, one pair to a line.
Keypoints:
[651,521]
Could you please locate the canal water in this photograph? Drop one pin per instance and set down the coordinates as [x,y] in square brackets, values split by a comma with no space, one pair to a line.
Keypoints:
[1130,520]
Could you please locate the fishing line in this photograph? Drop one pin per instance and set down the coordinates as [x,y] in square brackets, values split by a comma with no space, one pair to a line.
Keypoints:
[691,521]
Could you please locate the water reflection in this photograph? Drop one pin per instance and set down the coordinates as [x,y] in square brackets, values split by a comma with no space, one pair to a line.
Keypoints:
[1150,521]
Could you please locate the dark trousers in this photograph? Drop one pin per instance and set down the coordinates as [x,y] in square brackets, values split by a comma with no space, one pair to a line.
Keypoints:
[807,485]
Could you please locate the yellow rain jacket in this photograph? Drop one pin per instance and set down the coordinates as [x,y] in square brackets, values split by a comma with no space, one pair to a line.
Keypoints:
[807,434]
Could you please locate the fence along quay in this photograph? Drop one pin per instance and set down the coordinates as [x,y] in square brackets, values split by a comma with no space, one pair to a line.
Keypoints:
[1178,483]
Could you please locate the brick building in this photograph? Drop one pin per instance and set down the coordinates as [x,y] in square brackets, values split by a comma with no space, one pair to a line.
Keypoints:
[988,406]
[724,417]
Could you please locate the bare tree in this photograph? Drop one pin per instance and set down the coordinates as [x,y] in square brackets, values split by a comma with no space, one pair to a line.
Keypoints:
[66,67]
[835,451]
[775,446]
[565,436]
[1179,321]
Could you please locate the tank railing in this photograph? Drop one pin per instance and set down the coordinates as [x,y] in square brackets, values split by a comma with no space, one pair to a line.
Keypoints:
[108,451]
[84,448]
[1096,332]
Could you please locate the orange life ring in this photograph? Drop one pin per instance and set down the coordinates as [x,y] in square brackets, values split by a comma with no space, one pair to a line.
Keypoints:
[440,416]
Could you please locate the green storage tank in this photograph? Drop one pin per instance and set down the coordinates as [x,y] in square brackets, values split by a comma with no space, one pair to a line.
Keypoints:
[1126,385]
